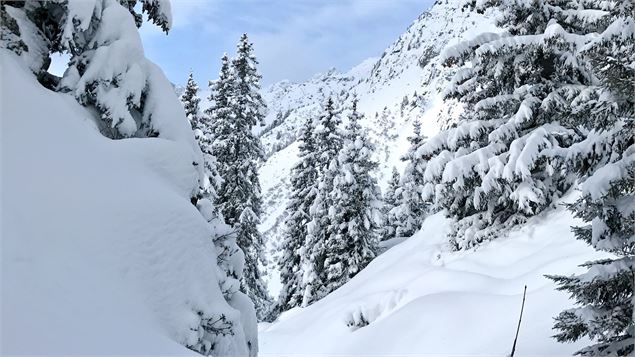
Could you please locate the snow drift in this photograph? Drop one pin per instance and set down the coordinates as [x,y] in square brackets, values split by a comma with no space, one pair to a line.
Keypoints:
[420,298]
[102,251]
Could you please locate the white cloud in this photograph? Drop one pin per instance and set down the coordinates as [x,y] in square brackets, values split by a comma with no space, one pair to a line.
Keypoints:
[319,36]
[187,13]
[191,12]
[293,39]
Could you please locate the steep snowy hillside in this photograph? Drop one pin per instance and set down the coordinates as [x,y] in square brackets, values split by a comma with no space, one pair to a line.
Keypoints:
[419,298]
[403,85]
[289,104]
[102,251]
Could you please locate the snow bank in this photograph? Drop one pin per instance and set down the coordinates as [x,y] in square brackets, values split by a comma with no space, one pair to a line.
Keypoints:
[419,298]
[102,251]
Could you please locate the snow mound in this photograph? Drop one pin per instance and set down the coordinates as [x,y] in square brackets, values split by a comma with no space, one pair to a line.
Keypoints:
[419,298]
[102,251]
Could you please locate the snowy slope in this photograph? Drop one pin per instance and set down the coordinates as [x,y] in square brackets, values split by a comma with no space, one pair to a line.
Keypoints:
[102,251]
[423,300]
[290,104]
[408,68]
[419,298]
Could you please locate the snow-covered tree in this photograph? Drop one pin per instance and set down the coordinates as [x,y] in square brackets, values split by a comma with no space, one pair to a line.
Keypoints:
[201,125]
[230,260]
[605,161]
[303,191]
[107,68]
[390,202]
[354,213]
[251,106]
[328,143]
[10,33]
[220,113]
[503,161]
[605,292]
[236,108]
[410,212]
[191,101]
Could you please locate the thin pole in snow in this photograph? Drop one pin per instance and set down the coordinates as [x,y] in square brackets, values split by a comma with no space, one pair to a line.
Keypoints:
[519,319]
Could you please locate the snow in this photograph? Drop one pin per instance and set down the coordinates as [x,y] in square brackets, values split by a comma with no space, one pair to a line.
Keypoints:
[102,251]
[80,13]
[421,299]
[35,44]
[624,27]
[459,49]
[599,183]
[411,64]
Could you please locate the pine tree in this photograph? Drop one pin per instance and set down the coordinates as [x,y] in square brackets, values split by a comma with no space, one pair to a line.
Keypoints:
[250,104]
[328,143]
[190,101]
[411,210]
[249,111]
[220,113]
[391,201]
[605,161]
[605,292]
[354,214]
[503,161]
[303,191]
[236,108]
[201,125]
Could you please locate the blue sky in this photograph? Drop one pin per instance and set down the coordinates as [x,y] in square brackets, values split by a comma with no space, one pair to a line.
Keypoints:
[292,39]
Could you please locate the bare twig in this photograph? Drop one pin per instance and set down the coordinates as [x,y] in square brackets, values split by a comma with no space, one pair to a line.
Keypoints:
[519,319]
